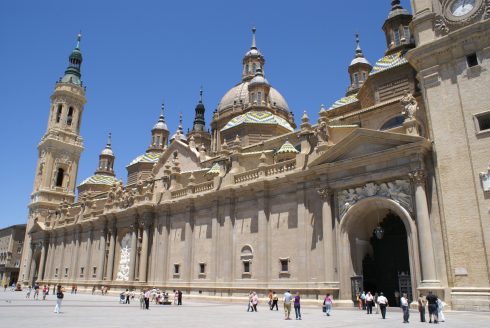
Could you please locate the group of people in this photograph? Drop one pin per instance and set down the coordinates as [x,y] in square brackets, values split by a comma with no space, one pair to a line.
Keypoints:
[103,289]
[288,298]
[435,305]
[37,288]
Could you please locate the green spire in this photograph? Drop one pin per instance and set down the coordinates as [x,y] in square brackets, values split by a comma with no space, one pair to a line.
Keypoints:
[199,122]
[72,73]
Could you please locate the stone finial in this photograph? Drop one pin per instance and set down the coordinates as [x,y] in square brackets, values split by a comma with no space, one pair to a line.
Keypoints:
[192,179]
[263,160]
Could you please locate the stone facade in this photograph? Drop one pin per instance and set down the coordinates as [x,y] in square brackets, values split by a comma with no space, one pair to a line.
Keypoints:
[388,183]
[11,245]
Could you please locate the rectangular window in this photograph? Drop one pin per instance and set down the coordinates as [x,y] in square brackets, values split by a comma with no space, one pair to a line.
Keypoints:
[396,35]
[69,118]
[66,272]
[472,60]
[176,268]
[482,122]
[407,34]
[246,267]
[94,272]
[356,78]
[284,265]
[56,273]
[202,268]
[364,76]
[19,249]
[158,141]
[58,113]
[82,269]
[259,98]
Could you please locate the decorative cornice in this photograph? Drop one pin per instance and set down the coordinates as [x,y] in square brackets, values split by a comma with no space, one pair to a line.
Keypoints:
[418,176]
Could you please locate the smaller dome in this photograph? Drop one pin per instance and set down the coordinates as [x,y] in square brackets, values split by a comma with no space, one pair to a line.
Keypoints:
[258,117]
[287,147]
[253,52]
[360,60]
[182,136]
[107,151]
[160,125]
[146,158]
[258,79]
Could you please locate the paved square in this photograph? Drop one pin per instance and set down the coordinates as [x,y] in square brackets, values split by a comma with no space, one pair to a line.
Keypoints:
[105,311]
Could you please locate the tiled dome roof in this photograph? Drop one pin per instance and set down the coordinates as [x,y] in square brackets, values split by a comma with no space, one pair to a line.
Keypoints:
[146,158]
[344,101]
[257,117]
[287,147]
[99,179]
[388,62]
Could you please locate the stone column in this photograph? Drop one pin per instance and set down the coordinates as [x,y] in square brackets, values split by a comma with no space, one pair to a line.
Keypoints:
[423,227]
[263,236]
[189,228]
[145,226]
[328,236]
[102,246]
[30,250]
[226,244]
[42,261]
[76,254]
[134,251]
[61,272]
[52,255]
[110,260]
[87,272]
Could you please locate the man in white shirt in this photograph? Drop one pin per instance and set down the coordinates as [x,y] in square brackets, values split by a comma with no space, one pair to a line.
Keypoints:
[383,303]
[287,305]
[404,304]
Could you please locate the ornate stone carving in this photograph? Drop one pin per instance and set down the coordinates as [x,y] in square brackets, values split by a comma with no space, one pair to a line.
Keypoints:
[398,190]
[410,106]
[125,259]
[321,132]
[485,180]
[325,193]
[447,22]
[418,176]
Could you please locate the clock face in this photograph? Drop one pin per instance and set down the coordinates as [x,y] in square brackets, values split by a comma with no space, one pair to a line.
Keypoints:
[462,7]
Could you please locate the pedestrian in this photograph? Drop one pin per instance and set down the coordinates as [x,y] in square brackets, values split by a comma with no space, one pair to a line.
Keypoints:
[5,287]
[363,300]
[269,296]
[45,292]
[147,299]
[249,307]
[297,306]
[36,291]
[93,290]
[432,304]
[176,297]
[440,308]
[142,299]
[76,289]
[404,305]
[275,299]
[287,305]
[28,294]
[126,293]
[376,302]
[422,302]
[255,301]
[383,303]
[59,299]
[179,297]
[73,289]
[327,303]
[369,303]
[54,289]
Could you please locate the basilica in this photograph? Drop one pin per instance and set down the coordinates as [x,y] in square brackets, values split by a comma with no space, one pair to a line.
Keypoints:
[389,191]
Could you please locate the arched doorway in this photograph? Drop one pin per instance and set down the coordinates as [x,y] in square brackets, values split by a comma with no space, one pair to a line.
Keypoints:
[378,263]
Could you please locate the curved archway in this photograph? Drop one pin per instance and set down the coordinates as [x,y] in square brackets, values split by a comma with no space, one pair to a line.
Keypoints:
[357,247]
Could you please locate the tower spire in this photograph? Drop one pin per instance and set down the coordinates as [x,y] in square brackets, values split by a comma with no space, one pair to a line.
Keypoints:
[254,45]
[200,95]
[359,53]
[73,73]
[109,141]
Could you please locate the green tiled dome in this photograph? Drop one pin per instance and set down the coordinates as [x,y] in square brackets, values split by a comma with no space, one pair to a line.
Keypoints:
[99,179]
[257,117]
[344,101]
[146,158]
[388,62]
[287,147]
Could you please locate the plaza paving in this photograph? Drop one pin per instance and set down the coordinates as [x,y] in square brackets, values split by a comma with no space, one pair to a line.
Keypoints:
[105,311]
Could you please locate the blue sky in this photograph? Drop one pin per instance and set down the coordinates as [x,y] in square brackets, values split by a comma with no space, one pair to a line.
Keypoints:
[140,53]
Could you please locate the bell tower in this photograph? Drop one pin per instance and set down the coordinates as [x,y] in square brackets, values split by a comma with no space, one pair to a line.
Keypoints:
[60,148]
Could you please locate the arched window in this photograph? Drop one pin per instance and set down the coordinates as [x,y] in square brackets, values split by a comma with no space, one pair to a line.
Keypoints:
[259,98]
[254,68]
[247,69]
[58,113]
[59,177]
[158,141]
[393,122]
[69,118]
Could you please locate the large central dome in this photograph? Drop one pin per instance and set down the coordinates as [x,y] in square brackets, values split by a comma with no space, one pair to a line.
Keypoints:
[239,95]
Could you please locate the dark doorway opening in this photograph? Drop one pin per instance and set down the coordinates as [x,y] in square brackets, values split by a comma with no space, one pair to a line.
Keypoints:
[388,269]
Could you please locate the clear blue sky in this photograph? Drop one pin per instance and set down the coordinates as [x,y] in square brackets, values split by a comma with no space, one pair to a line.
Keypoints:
[138,53]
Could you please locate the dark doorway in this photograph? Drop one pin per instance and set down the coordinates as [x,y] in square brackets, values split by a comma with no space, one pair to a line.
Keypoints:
[387,270]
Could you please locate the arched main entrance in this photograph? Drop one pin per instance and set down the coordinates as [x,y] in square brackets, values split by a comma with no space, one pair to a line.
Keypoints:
[377,262]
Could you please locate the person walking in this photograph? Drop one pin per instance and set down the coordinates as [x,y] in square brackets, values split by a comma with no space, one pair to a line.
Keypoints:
[422,302]
[28,294]
[147,299]
[363,300]
[59,299]
[432,304]
[297,306]
[126,293]
[287,305]
[376,302]
[45,292]
[440,308]
[383,303]
[36,291]
[250,307]
[275,299]
[369,303]
[255,301]
[404,306]
[269,296]
[179,297]
[328,302]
